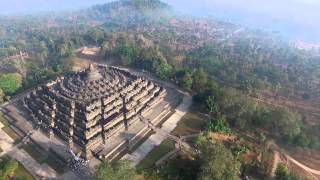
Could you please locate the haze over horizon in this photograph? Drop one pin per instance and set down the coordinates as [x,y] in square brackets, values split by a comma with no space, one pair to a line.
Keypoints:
[296,19]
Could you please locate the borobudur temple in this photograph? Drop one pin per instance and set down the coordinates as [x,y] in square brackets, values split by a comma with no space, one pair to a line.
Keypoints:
[86,108]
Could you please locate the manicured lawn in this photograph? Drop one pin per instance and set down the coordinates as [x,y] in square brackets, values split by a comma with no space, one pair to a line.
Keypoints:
[192,123]
[158,152]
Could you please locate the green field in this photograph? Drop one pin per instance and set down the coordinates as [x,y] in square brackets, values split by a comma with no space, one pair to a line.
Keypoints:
[22,173]
[165,147]
[192,123]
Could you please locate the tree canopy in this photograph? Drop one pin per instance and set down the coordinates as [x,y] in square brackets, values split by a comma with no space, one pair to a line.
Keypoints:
[7,168]
[286,124]
[283,173]
[116,171]
[217,162]
[11,82]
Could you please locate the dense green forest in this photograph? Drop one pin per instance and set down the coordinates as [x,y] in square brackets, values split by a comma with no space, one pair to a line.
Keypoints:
[226,72]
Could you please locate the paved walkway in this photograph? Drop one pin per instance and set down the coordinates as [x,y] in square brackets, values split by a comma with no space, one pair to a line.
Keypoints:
[6,142]
[157,138]
[36,169]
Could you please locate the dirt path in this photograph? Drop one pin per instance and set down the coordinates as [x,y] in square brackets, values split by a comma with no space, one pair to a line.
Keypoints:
[304,167]
[276,160]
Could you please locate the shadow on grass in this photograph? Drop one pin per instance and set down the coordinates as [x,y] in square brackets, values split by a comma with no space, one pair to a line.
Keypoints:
[157,153]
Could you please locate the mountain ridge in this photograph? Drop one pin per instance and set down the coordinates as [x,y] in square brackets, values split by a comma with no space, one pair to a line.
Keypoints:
[126,11]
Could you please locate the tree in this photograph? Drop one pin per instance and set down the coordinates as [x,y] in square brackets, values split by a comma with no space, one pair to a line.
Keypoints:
[217,162]
[263,117]
[119,170]
[42,52]
[64,48]
[8,167]
[186,81]
[211,89]
[283,173]
[37,74]
[213,106]
[218,124]
[179,168]
[314,142]
[106,49]
[184,78]
[237,107]
[127,51]
[10,82]
[67,64]
[302,140]
[125,60]
[163,69]
[96,35]
[286,124]
[200,79]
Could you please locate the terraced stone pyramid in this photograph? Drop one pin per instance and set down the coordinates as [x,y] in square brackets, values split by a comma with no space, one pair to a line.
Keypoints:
[88,107]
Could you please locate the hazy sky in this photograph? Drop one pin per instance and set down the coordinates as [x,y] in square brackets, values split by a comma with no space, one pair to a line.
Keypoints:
[298,18]
[27,6]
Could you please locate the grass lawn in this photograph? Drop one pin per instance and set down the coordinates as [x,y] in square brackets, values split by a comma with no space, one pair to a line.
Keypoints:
[157,153]
[193,122]
[22,173]
[19,173]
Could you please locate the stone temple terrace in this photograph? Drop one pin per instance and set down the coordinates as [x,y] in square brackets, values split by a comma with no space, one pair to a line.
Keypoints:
[90,110]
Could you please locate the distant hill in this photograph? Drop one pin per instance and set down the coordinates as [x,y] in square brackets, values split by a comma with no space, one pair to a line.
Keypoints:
[127,13]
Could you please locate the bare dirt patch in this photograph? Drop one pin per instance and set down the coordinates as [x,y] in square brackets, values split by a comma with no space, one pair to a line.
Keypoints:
[222,137]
